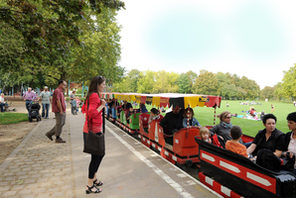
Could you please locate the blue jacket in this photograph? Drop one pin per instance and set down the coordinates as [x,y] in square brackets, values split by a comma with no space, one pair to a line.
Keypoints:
[194,122]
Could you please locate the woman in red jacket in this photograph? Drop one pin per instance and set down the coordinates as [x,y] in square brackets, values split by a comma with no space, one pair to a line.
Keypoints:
[92,108]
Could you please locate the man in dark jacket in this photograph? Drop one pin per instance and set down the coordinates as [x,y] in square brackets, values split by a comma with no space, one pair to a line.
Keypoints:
[171,123]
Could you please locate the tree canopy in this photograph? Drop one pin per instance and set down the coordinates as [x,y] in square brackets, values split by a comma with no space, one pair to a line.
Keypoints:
[226,85]
[44,41]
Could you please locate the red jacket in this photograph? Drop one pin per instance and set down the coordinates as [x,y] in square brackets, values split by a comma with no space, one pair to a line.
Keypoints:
[92,114]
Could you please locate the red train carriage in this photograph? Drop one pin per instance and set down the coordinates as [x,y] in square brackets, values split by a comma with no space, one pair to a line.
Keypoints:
[233,175]
[184,149]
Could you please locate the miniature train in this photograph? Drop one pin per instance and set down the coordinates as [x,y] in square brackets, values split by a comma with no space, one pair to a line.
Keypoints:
[228,173]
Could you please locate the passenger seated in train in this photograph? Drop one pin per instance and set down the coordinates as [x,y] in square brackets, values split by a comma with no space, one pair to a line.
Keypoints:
[234,145]
[154,115]
[143,108]
[266,138]
[189,117]
[171,123]
[223,128]
[287,143]
[126,105]
[108,107]
[128,114]
[205,134]
[113,110]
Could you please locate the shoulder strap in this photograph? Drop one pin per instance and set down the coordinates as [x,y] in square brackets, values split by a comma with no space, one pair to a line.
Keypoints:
[88,123]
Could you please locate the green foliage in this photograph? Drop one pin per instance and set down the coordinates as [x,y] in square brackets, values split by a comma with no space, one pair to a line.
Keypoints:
[147,83]
[268,92]
[59,39]
[185,82]
[289,82]
[206,83]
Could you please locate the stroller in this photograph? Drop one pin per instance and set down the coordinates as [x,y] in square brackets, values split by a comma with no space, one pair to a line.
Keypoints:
[34,112]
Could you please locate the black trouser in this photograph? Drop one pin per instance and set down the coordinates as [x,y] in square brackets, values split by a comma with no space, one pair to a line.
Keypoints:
[94,165]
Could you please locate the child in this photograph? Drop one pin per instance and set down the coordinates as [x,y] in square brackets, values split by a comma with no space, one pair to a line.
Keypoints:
[188,114]
[234,145]
[205,134]
[154,115]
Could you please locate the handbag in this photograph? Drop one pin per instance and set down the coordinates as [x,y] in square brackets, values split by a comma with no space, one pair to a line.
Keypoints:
[94,143]
[288,163]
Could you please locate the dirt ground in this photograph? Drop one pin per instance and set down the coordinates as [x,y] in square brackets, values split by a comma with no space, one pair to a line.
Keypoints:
[12,135]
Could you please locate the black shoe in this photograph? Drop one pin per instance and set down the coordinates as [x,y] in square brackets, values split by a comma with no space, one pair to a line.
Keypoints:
[96,182]
[49,136]
[60,140]
[93,189]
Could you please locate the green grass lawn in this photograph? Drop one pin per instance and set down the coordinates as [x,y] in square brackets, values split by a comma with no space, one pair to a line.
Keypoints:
[205,115]
[12,118]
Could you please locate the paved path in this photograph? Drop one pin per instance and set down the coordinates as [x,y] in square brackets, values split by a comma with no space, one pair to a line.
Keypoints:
[41,168]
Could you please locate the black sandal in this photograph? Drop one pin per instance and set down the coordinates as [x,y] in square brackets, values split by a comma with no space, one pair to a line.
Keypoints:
[89,189]
[98,183]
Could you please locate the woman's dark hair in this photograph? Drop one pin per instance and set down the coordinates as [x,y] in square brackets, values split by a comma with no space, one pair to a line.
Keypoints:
[268,116]
[154,111]
[292,117]
[94,83]
[236,132]
[188,109]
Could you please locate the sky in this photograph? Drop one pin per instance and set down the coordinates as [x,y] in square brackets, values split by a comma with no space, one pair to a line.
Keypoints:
[252,38]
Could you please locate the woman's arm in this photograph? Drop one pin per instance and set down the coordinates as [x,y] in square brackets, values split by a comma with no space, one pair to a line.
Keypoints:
[103,103]
[251,148]
[279,153]
[196,123]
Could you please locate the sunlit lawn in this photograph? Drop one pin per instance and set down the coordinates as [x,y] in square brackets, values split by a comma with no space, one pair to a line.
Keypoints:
[250,127]
[12,118]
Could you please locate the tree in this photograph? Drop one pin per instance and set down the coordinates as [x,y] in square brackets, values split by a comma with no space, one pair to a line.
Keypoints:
[268,92]
[289,83]
[53,34]
[166,82]
[147,83]
[206,83]
[185,82]
[52,24]
[100,51]
[251,88]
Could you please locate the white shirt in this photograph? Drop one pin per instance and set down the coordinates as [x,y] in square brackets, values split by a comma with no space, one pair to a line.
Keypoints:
[1,99]
[292,147]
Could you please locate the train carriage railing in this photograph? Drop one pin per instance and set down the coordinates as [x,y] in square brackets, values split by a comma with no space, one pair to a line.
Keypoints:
[247,178]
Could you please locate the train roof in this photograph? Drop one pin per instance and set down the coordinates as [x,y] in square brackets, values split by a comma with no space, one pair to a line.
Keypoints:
[168,99]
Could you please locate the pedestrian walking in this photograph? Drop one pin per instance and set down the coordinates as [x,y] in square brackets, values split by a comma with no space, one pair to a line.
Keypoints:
[59,109]
[45,96]
[73,103]
[29,97]
[272,108]
[94,125]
